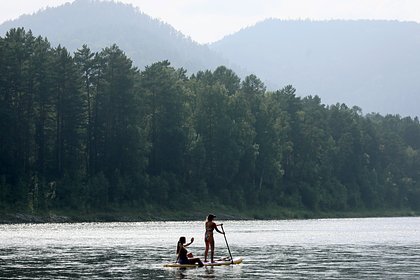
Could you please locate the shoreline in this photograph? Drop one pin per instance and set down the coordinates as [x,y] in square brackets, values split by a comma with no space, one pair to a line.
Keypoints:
[52,217]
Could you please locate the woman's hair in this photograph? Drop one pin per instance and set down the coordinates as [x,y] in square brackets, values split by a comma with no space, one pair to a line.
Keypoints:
[181,241]
[210,217]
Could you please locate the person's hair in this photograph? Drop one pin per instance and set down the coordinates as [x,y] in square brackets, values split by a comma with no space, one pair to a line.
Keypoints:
[181,241]
[210,217]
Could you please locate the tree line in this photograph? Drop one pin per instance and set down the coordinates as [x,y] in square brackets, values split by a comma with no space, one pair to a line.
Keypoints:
[90,132]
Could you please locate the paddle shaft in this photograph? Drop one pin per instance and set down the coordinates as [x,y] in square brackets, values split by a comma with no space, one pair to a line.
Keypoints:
[224,235]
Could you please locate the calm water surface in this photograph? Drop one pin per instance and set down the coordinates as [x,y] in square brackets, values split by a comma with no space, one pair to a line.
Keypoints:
[374,248]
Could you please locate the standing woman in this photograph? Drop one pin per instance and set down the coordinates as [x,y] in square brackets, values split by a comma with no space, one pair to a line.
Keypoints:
[208,237]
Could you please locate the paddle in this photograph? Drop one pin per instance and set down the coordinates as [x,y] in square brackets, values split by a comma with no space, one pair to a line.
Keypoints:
[224,235]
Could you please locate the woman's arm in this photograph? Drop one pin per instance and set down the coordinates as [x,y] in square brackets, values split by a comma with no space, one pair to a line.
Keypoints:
[192,240]
[215,227]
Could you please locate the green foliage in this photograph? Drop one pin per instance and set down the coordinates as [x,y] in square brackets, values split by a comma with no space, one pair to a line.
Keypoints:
[90,132]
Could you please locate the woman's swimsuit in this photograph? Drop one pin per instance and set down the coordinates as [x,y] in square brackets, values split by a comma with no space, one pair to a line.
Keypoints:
[209,233]
[182,256]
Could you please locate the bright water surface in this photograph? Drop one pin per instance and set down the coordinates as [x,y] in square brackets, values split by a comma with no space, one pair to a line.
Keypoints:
[373,248]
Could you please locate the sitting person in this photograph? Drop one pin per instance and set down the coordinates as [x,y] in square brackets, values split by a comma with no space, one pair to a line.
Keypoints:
[183,256]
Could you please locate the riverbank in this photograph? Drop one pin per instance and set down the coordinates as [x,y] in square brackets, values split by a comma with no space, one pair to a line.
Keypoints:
[114,216]
[167,215]
[17,218]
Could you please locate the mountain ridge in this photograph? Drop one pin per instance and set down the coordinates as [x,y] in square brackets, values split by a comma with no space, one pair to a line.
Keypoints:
[368,63]
[100,24]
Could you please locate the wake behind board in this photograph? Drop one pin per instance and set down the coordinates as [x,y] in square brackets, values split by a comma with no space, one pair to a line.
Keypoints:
[216,263]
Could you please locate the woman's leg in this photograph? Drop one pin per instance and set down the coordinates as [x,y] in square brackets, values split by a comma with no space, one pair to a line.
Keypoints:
[196,261]
[206,252]
[212,250]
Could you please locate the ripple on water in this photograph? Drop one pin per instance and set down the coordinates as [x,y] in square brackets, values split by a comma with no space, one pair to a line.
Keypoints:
[320,249]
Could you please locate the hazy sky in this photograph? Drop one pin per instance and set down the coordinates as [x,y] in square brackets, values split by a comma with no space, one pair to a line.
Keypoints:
[209,20]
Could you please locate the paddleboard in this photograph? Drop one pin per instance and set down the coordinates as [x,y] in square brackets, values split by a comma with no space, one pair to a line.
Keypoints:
[216,263]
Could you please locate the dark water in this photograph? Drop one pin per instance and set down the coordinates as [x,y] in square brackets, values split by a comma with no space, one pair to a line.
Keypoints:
[379,248]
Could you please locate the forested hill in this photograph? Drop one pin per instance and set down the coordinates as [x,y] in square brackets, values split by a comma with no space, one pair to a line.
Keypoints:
[371,64]
[91,133]
[103,23]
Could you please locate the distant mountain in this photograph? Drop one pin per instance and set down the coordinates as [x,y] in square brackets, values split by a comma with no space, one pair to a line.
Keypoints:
[372,64]
[100,24]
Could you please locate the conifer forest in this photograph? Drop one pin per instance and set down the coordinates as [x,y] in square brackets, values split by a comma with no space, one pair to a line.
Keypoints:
[90,132]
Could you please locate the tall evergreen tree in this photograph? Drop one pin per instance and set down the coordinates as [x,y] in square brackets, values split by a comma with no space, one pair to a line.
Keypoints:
[85,62]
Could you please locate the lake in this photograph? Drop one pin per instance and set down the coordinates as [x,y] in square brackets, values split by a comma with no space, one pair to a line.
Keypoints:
[369,248]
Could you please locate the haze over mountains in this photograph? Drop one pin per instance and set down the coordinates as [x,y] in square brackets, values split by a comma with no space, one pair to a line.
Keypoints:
[100,24]
[372,64]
